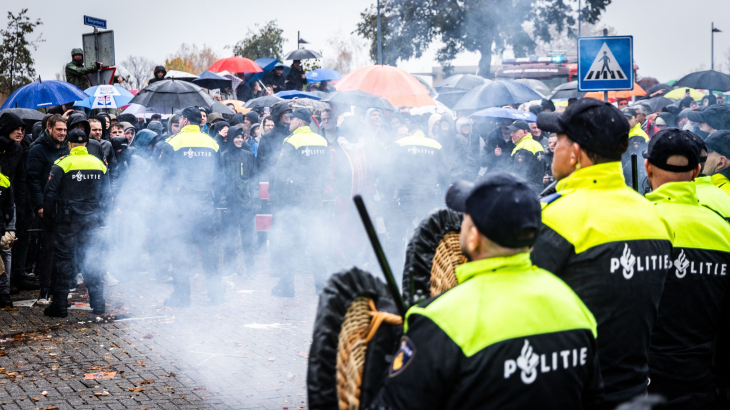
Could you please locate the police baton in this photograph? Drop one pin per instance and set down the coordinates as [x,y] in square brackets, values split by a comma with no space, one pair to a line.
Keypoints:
[370,229]
[634,173]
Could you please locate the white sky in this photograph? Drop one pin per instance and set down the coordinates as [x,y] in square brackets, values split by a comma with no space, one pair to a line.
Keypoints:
[671,37]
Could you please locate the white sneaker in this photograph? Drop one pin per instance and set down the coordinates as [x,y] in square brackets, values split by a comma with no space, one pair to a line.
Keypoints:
[109,279]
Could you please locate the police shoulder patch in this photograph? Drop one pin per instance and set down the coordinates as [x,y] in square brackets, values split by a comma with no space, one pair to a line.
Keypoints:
[550,198]
[404,356]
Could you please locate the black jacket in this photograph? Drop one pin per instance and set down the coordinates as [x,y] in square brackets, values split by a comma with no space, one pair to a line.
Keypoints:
[238,167]
[11,156]
[276,81]
[295,80]
[41,156]
[270,145]
[158,69]
[492,161]
[244,92]
[77,189]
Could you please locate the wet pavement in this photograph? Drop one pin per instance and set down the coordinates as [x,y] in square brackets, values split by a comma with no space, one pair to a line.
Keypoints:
[249,353]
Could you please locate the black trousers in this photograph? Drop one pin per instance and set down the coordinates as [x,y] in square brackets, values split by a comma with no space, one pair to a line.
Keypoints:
[20,249]
[77,247]
[238,221]
[44,259]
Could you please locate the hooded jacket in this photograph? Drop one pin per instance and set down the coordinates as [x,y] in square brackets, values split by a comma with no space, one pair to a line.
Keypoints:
[158,69]
[271,143]
[76,72]
[12,155]
[238,165]
[215,130]
[41,156]
[456,151]
[295,80]
[277,82]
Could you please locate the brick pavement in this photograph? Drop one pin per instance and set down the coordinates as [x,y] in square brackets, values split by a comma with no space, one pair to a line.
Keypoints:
[250,353]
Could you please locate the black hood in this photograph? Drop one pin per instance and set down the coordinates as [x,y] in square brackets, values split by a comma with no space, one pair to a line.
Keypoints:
[79,118]
[232,133]
[253,117]
[9,122]
[217,127]
[236,119]
[277,109]
[158,69]
[130,118]
[119,144]
[102,118]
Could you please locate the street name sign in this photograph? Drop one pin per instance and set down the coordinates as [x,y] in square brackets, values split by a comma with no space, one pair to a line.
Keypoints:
[94,22]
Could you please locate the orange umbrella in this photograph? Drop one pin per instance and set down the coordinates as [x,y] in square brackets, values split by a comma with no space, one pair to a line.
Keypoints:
[235,64]
[395,85]
[618,95]
[238,104]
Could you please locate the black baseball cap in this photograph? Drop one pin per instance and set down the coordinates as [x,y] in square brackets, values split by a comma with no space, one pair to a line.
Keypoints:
[519,125]
[629,112]
[193,115]
[596,125]
[719,142]
[502,206]
[302,114]
[673,141]
[77,136]
[716,116]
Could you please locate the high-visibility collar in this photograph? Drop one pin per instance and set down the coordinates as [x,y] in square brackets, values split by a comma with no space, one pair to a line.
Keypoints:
[601,176]
[189,128]
[636,131]
[527,143]
[719,179]
[703,180]
[303,128]
[79,151]
[675,193]
[516,263]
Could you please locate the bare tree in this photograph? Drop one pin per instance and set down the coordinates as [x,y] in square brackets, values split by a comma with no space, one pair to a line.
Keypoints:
[349,53]
[62,75]
[563,43]
[138,71]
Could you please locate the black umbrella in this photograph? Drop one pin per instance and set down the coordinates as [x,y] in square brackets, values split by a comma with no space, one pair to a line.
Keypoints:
[359,99]
[302,54]
[261,102]
[567,90]
[219,107]
[212,81]
[496,94]
[28,116]
[450,98]
[661,86]
[173,93]
[657,103]
[707,80]
[460,82]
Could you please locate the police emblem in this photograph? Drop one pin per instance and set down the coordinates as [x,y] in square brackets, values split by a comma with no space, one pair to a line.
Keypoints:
[404,356]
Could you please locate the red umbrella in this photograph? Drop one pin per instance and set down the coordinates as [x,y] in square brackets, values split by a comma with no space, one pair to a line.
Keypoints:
[235,64]
[391,83]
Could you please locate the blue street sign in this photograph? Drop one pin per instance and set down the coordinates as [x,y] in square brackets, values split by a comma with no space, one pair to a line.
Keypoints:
[605,63]
[94,22]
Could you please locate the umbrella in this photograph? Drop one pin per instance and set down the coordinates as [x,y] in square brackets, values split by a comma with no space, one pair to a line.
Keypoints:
[173,93]
[212,80]
[43,94]
[496,94]
[661,86]
[648,82]
[238,104]
[657,103]
[706,80]
[25,114]
[679,93]
[323,74]
[394,84]
[235,64]
[450,98]
[180,75]
[536,85]
[141,110]
[288,95]
[302,54]
[267,64]
[221,108]
[312,105]
[105,96]
[637,91]
[261,102]
[359,98]
[510,113]
[464,82]
[567,90]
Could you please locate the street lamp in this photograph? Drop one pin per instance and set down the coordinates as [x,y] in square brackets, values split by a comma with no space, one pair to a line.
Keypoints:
[712,58]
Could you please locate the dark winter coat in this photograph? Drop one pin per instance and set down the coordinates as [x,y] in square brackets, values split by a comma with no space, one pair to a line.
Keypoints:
[11,156]
[41,156]
[277,82]
[244,92]
[295,80]
[158,69]
[492,161]
[271,143]
[238,165]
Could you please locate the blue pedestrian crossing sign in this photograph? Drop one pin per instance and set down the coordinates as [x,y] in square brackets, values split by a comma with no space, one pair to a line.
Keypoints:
[605,63]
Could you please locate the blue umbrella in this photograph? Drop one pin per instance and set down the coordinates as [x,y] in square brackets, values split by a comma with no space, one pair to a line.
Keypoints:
[291,94]
[105,98]
[44,94]
[510,113]
[267,64]
[323,74]
[496,94]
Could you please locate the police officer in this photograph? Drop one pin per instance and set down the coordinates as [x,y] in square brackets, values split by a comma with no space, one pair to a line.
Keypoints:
[709,195]
[637,144]
[718,159]
[526,342]
[419,177]
[605,241]
[189,165]
[527,156]
[680,359]
[74,197]
[301,176]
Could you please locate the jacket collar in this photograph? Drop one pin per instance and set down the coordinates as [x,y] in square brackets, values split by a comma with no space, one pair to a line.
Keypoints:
[675,193]
[189,128]
[718,179]
[601,176]
[516,263]
[302,129]
[521,143]
[703,180]
[79,151]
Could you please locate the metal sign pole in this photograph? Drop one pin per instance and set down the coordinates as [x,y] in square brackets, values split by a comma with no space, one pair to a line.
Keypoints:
[605,93]
[98,57]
